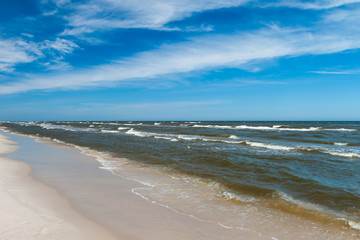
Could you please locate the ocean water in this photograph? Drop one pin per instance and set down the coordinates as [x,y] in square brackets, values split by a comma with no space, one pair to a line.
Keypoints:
[306,169]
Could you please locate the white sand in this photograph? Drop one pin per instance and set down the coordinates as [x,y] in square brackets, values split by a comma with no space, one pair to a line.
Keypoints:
[32,210]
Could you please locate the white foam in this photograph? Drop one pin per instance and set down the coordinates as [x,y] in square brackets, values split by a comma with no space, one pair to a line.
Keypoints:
[138,133]
[157,124]
[269,146]
[335,152]
[123,128]
[340,144]
[342,154]
[167,138]
[233,142]
[189,138]
[353,224]
[109,131]
[342,129]
[113,123]
[255,127]
[133,124]
[283,128]
[234,137]
[274,127]
[50,126]
[278,128]
[213,126]
[233,196]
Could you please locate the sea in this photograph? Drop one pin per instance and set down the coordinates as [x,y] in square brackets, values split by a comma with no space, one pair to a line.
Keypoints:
[232,172]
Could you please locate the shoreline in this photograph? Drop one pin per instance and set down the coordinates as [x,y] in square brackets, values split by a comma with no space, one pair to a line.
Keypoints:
[32,210]
[89,191]
[121,211]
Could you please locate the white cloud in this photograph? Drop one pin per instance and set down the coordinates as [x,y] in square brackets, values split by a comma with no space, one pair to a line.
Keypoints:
[152,14]
[62,46]
[204,53]
[312,4]
[16,51]
[101,15]
[338,31]
[95,15]
[344,72]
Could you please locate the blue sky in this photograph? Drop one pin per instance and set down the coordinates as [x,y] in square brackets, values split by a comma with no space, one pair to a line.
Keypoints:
[180,60]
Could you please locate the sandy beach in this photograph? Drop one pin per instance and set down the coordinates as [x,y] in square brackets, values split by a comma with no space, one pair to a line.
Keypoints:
[32,210]
[74,199]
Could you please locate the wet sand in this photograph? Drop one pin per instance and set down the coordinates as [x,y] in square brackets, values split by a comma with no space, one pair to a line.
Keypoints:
[32,210]
[72,198]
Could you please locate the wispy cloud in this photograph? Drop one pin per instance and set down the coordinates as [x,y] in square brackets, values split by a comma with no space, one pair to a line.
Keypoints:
[59,45]
[16,51]
[242,82]
[343,72]
[312,4]
[199,54]
[205,53]
[95,15]
[151,14]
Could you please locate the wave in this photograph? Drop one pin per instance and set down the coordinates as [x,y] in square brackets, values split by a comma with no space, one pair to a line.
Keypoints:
[271,128]
[232,196]
[330,151]
[123,128]
[226,139]
[213,126]
[167,138]
[50,126]
[340,144]
[305,205]
[109,131]
[134,132]
[269,146]
[233,137]
[284,128]
[342,154]
[177,137]
[317,209]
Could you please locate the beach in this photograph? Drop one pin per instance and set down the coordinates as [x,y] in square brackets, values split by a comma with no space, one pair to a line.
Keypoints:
[33,210]
[114,178]
[92,178]
[97,205]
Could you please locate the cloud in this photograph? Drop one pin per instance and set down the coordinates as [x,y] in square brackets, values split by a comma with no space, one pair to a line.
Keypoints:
[346,72]
[151,14]
[16,51]
[96,15]
[61,46]
[338,31]
[203,53]
[314,4]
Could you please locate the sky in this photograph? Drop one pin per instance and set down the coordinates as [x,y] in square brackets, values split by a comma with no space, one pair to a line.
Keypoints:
[179,60]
